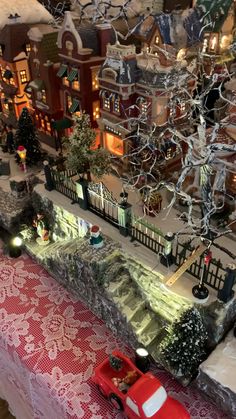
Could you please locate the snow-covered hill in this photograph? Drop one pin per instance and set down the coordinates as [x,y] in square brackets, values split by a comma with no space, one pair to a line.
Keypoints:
[31,11]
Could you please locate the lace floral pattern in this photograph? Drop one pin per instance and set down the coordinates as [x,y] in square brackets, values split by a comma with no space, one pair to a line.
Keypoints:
[49,346]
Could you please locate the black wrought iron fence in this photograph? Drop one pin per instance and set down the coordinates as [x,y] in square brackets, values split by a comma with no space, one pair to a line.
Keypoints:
[215,274]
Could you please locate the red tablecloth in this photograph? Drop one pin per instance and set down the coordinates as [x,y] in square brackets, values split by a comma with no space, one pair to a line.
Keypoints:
[49,345]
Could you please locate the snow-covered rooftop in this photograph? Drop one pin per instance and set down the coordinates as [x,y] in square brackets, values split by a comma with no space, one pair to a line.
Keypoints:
[30,11]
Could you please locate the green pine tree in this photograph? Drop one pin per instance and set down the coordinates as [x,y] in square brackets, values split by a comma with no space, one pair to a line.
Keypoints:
[26,136]
[184,348]
[82,156]
[115,362]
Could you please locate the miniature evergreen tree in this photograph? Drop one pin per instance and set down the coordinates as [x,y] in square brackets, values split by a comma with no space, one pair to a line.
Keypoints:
[26,136]
[115,362]
[184,348]
[82,155]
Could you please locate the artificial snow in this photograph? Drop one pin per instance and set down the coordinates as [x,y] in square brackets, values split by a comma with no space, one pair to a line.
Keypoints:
[30,11]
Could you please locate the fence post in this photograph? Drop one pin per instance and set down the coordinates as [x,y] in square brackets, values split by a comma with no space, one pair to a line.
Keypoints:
[49,184]
[226,293]
[167,259]
[124,214]
[82,193]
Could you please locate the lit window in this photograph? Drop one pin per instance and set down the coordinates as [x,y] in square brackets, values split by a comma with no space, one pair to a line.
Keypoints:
[76,85]
[205,45]
[172,111]
[116,104]
[69,102]
[144,107]
[48,127]
[23,76]
[169,153]
[36,117]
[106,103]
[43,97]
[42,124]
[1,51]
[95,84]
[96,110]
[182,107]
[157,40]
[28,48]
[213,43]
[114,144]
[65,81]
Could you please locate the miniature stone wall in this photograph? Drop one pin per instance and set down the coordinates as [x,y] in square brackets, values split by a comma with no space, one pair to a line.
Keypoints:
[62,224]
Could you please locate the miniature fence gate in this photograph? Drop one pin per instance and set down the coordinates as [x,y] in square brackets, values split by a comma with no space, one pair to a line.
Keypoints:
[102,202]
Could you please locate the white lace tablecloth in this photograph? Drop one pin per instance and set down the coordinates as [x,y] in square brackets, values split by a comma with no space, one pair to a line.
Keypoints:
[49,345]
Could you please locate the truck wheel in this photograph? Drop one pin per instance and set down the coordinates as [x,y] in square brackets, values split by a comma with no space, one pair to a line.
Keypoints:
[115,400]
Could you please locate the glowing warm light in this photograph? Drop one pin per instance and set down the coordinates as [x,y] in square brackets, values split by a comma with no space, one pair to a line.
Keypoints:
[225,41]
[114,144]
[213,43]
[21,151]
[16,242]
[181,54]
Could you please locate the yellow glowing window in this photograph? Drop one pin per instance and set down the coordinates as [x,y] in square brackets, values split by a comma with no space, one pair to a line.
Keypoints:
[44,98]
[116,105]
[69,102]
[42,124]
[28,48]
[114,144]
[96,110]
[95,84]
[1,52]
[65,81]
[23,76]
[48,127]
[76,85]
[157,40]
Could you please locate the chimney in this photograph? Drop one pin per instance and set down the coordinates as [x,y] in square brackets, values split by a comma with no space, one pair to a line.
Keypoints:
[105,34]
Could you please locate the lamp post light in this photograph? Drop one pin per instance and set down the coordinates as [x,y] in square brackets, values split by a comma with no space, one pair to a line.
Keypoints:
[21,151]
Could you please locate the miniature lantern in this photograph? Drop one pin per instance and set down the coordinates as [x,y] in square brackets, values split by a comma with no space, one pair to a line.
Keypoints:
[21,151]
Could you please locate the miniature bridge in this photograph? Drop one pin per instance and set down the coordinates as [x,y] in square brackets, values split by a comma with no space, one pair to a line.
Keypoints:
[173,277]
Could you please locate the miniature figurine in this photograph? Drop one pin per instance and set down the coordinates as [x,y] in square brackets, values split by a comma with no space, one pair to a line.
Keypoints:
[42,229]
[139,395]
[96,239]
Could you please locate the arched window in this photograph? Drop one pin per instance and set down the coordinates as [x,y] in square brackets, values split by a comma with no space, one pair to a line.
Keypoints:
[109,73]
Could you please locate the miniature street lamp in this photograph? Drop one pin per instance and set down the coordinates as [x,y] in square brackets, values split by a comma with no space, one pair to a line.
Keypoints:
[21,151]
[142,359]
[14,247]
[200,291]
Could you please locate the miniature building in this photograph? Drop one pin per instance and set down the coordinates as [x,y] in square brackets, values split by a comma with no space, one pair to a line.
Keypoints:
[44,84]
[82,50]
[117,79]
[14,52]
[218,23]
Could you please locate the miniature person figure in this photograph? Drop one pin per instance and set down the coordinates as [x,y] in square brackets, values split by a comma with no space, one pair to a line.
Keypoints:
[96,239]
[10,139]
[42,229]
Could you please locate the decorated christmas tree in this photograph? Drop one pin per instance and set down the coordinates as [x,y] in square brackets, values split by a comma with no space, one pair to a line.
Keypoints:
[185,347]
[83,156]
[26,136]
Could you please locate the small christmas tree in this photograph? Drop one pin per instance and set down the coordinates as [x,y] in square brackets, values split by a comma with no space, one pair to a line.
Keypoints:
[82,155]
[184,348]
[115,362]
[26,136]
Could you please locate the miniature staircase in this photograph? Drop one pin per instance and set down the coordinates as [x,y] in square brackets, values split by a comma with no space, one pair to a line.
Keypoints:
[145,324]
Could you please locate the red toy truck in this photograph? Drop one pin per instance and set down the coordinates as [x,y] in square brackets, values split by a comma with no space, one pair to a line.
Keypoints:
[141,396]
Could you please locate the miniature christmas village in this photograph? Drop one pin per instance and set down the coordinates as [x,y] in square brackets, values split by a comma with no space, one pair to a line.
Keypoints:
[132,205]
